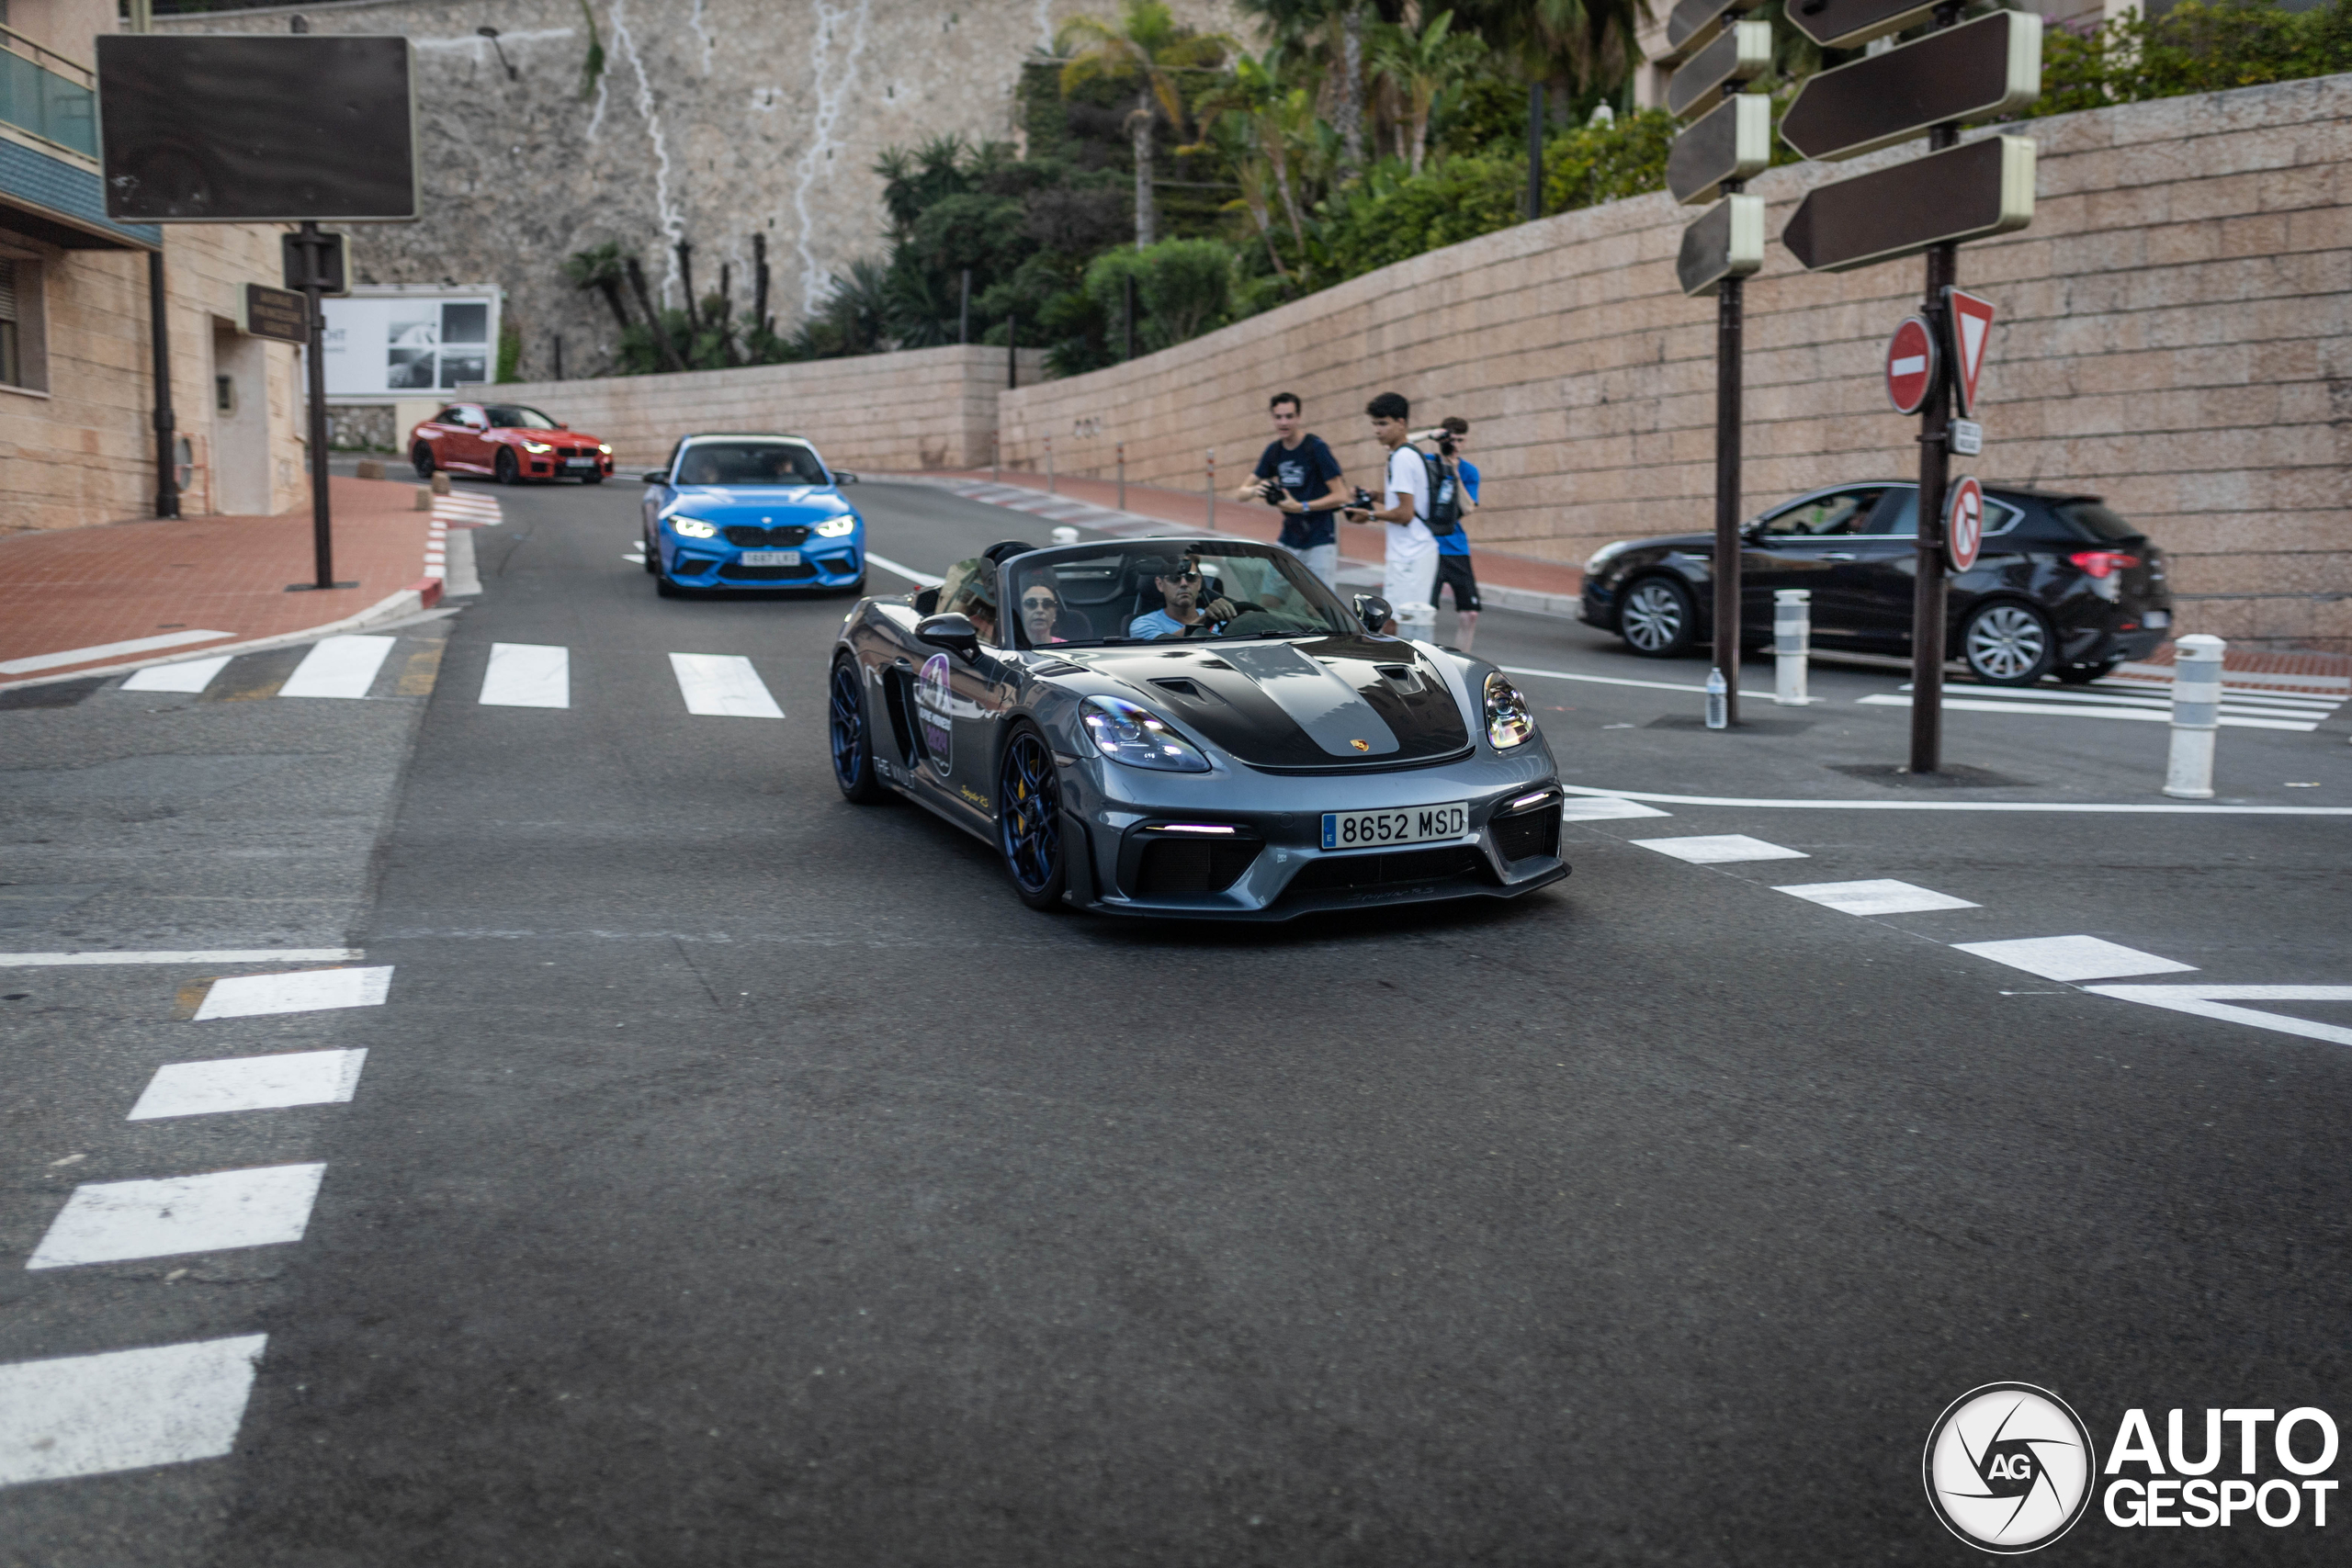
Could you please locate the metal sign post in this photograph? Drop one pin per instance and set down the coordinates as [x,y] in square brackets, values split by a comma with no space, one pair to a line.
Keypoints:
[314,265]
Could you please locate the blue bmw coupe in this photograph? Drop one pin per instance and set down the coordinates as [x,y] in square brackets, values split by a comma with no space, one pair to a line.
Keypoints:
[750,511]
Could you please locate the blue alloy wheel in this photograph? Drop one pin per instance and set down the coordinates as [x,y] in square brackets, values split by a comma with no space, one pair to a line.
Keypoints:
[1029,819]
[851,740]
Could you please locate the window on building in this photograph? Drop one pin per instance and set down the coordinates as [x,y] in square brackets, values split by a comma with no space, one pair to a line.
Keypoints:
[224,394]
[11,370]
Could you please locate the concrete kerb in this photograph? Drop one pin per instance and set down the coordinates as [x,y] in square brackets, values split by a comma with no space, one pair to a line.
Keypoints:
[414,603]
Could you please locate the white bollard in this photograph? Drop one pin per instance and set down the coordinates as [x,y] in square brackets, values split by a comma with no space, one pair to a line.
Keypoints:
[2196,715]
[1065,535]
[1792,645]
[1415,623]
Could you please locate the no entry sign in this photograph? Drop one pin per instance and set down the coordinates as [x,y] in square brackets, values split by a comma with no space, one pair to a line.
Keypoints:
[1964,521]
[1910,365]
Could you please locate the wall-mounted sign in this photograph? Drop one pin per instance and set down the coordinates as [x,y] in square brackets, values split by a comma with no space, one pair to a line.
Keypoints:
[388,343]
[277,313]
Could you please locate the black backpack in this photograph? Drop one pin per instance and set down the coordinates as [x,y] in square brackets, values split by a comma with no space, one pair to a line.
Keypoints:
[1445,497]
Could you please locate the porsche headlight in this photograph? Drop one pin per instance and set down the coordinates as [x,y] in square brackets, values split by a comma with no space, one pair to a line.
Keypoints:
[834,527]
[692,527]
[1127,733]
[1508,722]
[537,449]
[1607,553]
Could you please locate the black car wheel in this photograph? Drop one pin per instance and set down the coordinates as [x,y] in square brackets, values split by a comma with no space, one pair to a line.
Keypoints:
[2084,674]
[2007,643]
[1656,619]
[652,557]
[421,459]
[1029,818]
[509,471]
[852,736]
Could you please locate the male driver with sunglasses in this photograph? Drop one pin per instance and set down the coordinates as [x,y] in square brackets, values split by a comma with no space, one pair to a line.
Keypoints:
[1179,585]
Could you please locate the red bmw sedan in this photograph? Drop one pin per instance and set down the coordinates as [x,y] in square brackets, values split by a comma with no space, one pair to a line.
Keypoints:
[508,442]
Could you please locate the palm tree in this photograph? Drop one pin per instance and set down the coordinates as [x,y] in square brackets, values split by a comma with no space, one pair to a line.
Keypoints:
[1145,45]
[1339,27]
[1280,117]
[1585,43]
[1422,67]
[599,267]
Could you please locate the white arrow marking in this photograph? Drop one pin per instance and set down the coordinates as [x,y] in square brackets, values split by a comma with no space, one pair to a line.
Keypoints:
[2211,1001]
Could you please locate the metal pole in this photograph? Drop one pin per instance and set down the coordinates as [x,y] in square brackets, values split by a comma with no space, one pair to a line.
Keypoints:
[1011,352]
[995,455]
[1122,476]
[167,475]
[1728,325]
[321,514]
[1935,469]
[1535,149]
[1212,490]
[964,311]
[2195,715]
[1049,465]
[1129,294]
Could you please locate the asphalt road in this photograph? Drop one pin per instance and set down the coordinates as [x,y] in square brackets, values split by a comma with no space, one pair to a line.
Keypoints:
[742,1176]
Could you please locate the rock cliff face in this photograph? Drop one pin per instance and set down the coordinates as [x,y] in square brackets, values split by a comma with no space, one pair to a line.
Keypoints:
[711,120]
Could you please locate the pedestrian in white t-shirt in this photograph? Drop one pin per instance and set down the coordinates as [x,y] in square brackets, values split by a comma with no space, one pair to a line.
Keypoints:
[1412,574]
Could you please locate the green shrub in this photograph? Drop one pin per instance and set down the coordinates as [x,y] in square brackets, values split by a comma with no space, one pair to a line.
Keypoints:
[2199,46]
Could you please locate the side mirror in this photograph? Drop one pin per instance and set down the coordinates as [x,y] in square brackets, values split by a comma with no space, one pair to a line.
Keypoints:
[658,477]
[843,477]
[954,633]
[1374,610]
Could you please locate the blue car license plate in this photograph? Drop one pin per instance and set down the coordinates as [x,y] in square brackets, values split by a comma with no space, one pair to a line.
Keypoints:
[1411,825]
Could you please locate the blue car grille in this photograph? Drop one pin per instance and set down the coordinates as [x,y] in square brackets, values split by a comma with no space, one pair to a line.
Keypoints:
[750,536]
[770,573]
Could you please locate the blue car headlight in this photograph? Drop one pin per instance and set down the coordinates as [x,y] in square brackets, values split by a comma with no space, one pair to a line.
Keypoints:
[1128,733]
[1508,722]
[693,528]
[835,527]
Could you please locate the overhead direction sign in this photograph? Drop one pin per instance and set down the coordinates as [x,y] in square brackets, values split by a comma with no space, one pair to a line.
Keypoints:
[1910,365]
[1739,53]
[278,313]
[1981,69]
[1845,24]
[1730,141]
[1970,192]
[1688,24]
[1964,521]
[1727,240]
[1970,319]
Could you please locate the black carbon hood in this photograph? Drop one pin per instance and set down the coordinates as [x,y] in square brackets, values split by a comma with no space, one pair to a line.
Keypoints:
[1306,704]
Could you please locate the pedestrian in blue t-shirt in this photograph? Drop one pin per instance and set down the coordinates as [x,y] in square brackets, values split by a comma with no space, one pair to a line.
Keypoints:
[1453,549]
[1297,474]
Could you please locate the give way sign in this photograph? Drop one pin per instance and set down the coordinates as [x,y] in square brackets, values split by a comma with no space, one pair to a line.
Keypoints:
[1964,521]
[1971,328]
[1910,365]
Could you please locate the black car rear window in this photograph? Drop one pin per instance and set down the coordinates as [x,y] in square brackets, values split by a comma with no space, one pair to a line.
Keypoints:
[2096,520]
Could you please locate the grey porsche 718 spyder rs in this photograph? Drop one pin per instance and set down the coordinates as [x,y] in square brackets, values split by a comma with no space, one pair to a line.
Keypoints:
[1193,727]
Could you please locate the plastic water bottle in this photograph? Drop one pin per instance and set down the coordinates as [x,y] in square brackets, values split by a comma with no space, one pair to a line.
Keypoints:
[1718,701]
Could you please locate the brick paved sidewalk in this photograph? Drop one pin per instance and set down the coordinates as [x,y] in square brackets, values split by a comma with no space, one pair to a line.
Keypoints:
[81,589]
[1515,574]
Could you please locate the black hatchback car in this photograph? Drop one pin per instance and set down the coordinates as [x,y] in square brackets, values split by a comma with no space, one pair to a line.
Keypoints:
[2062,586]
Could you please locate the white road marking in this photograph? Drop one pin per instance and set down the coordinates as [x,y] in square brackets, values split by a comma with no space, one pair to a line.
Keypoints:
[2211,1001]
[191,676]
[106,650]
[2150,716]
[1602,808]
[250,1083]
[186,955]
[2072,957]
[1768,803]
[124,1409]
[338,667]
[114,1222]
[462,581]
[1883,896]
[1600,680]
[1719,848]
[527,675]
[304,990]
[919,579]
[722,686]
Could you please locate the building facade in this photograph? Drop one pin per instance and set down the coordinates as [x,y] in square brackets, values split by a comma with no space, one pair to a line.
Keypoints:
[78,439]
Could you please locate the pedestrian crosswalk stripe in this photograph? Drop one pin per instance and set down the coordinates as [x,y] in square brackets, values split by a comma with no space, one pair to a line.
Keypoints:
[2073,957]
[124,1409]
[115,1222]
[1882,895]
[527,675]
[193,675]
[1719,848]
[722,686]
[2229,716]
[338,667]
[250,1083]
[1603,808]
[303,990]
[919,579]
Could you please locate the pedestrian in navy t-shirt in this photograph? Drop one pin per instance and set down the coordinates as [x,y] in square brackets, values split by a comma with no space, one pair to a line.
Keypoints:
[1453,549]
[1297,474]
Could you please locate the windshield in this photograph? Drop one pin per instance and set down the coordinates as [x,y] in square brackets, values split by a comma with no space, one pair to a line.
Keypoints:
[1155,589]
[515,416]
[749,463]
